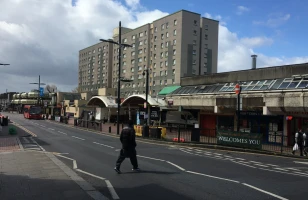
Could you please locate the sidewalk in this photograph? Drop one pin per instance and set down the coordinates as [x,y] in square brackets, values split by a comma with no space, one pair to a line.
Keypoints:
[38,175]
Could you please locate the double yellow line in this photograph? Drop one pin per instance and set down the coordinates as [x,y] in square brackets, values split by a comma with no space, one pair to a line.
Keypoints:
[23,128]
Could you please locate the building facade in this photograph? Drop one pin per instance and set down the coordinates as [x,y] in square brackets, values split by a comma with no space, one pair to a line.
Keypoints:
[179,45]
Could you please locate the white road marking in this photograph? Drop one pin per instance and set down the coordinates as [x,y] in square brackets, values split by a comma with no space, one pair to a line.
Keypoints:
[102,178]
[306,163]
[111,190]
[33,148]
[240,163]
[228,156]
[218,154]
[255,162]
[65,157]
[151,158]
[293,169]
[261,165]
[283,172]
[273,165]
[301,173]
[37,144]
[213,176]
[62,132]
[51,129]
[30,145]
[240,158]
[176,166]
[281,169]
[78,138]
[118,150]
[42,126]
[260,190]
[103,145]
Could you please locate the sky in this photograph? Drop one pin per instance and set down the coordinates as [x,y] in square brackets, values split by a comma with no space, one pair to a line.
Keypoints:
[43,37]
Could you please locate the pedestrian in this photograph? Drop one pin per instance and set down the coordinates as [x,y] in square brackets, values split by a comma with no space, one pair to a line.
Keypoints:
[300,138]
[128,140]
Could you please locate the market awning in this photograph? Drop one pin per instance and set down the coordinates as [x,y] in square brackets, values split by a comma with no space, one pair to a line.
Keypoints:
[168,90]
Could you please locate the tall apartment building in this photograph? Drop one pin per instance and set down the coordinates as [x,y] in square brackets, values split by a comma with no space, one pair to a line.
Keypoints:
[179,45]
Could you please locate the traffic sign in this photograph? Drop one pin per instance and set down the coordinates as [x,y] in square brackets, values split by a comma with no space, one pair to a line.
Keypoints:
[237,89]
[41,91]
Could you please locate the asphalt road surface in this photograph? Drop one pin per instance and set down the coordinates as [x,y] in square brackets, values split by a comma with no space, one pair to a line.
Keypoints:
[170,172]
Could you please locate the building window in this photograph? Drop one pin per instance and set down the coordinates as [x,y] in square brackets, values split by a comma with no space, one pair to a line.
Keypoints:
[133,61]
[166,63]
[124,63]
[154,56]
[154,47]
[174,51]
[205,37]
[141,34]
[206,27]
[145,41]
[133,44]
[139,59]
[145,32]
[99,49]
[132,69]
[195,22]
[133,53]
[140,51]
[205,65]
[140,43]
[132,78]
[174,42]
[205,46]
[173,72]
[174,32]
[161,55]
[195,32]
[125,48]
[162,45]
[167,34]
[125,40]
[154,74]
[194,52]
[194,42]
[144,50]
[155,29]
[145,58]
[174,61]
[161,64]
[124,71]
[175,22]
[166,54]
[167,44]
[154,65]
[163,27]
[161,73]
[155,38]
[133,37]
[94,51]
[160,82]
[167,25]
[194,62]
[124,55]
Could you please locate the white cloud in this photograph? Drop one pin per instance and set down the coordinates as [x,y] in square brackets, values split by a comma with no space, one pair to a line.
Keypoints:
[241,10]
[274,20]
[132,3]
[43,37]
[217,17]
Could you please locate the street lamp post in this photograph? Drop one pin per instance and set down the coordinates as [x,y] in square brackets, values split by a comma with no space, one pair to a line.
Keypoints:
[147,121]
[119,74]
[39,86]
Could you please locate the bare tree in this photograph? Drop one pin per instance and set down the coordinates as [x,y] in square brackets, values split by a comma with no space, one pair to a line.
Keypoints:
[77,89]
[51,88]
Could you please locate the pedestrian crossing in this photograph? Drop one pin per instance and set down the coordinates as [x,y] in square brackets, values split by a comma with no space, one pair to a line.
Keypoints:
[29,143]
[293,170]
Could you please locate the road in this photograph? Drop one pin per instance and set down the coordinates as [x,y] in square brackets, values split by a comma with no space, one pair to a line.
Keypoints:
[170,172]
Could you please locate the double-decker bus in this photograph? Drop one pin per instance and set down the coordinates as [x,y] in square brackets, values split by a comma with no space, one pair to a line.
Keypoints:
[32,112]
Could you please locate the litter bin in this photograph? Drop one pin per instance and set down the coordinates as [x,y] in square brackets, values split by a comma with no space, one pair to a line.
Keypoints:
[155,133]
[145,131]
[195,135]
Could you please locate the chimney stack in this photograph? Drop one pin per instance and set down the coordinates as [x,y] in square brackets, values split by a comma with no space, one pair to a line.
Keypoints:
[254,62]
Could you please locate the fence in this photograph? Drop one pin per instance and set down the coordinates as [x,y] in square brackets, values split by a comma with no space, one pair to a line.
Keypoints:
[269,142]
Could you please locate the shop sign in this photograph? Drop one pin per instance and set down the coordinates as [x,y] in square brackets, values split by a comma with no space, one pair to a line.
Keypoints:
[155,113]
[251,141]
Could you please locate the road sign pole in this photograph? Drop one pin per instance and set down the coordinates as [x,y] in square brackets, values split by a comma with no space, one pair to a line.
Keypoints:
[238,92]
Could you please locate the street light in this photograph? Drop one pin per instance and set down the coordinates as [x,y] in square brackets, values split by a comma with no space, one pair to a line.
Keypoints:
[119,74]
[39,86]
[147,121]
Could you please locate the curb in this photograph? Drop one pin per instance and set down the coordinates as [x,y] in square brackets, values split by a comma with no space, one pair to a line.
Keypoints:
[207,146]
[88,188]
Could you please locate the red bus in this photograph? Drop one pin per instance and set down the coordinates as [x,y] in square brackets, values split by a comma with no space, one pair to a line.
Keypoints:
[32,112]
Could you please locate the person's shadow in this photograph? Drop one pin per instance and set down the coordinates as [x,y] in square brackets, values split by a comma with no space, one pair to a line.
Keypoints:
[149,172]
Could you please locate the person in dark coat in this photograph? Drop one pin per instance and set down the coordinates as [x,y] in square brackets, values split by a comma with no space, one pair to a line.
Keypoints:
[300,138]
[128,140]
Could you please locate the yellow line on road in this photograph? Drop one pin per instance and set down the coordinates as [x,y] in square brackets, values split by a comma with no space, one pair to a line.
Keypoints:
[23,128]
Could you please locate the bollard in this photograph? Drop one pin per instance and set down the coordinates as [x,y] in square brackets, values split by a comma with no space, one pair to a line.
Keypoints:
[109,129]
